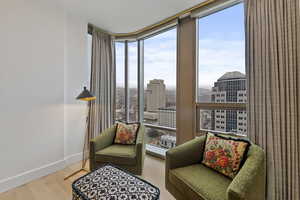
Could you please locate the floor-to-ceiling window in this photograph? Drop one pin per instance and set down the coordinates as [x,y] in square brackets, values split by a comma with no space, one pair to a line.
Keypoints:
[120,82]
[132,82]
[157,92]
[160,89]
[221,94]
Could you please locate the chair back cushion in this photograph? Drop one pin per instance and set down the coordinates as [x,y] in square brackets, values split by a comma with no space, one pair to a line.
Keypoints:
[225,154]
[126,133]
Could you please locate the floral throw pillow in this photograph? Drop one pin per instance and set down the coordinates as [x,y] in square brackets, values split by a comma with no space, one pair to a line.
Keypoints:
[126,133]
[224,155]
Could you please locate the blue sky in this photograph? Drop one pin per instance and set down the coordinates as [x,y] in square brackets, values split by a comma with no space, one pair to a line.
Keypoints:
[221,49]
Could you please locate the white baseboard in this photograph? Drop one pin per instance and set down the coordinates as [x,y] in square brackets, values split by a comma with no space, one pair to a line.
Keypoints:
[25,177]
[74,158]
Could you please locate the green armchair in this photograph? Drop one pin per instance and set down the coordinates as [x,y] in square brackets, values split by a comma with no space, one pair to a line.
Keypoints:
[187,179]
[129,157]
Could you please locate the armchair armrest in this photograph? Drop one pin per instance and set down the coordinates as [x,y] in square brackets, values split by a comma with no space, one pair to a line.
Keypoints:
[185,154]
[140,142]
[102,141]
[140,148]
[250,182]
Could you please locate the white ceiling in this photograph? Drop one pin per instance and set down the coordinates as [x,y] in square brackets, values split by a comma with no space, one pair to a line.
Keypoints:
[123,16]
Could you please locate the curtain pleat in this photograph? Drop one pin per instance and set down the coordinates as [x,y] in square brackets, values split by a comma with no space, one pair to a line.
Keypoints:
[273,85]
[101,110]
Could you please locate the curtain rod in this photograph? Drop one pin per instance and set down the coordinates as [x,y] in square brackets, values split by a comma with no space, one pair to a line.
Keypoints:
[161,23]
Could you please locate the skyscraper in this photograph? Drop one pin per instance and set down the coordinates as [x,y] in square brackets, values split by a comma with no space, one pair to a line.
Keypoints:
[230,88]
[156,95]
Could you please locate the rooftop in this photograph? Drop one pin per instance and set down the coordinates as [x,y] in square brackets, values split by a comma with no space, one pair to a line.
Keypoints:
[232,75]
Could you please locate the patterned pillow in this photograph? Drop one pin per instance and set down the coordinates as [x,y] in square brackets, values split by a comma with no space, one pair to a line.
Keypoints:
[126,133]
[224,154]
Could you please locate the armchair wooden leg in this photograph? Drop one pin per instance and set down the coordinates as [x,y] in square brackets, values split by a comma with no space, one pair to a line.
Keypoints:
[76,172]
[82,169]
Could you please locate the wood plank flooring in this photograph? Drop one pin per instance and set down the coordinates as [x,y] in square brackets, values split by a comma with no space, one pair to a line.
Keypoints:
[53,186]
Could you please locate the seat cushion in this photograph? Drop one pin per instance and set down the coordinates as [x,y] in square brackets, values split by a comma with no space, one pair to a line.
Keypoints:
[199,180]
[117,154]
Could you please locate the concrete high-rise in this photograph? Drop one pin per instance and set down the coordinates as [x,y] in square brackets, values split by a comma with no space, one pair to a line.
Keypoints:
[230,88]
[156,95]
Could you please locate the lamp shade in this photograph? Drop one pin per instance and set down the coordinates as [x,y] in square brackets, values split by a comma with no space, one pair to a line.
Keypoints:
[85,95]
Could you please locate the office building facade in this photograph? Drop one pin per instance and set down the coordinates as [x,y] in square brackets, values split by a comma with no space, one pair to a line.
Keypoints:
[230,88]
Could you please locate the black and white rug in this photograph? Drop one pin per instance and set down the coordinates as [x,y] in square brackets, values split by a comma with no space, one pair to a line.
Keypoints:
[112,183]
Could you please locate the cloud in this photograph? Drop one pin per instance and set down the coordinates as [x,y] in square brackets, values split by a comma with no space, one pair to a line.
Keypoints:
[216,57]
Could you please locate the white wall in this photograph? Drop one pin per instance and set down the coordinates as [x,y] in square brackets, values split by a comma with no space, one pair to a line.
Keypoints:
[76,76]
[42,69]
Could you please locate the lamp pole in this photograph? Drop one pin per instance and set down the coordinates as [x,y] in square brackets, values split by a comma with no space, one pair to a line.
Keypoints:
[85,95]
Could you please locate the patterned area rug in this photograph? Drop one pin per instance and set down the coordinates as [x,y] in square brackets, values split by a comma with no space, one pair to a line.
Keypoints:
[112,183]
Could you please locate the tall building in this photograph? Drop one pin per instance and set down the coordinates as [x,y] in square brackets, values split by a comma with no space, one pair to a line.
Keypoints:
[230,88]
[241,114]
[156,95]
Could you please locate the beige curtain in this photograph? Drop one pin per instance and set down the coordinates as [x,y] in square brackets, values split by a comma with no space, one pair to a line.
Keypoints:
[273,75]
[101,110]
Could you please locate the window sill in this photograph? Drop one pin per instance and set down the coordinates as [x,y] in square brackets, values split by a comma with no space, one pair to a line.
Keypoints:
[156,151]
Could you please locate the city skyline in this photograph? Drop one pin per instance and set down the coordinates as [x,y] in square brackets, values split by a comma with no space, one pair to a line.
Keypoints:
[230,87]
[160,108]
[205,94]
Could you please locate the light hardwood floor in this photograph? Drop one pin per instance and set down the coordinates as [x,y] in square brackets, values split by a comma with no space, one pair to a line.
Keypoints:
[53,186]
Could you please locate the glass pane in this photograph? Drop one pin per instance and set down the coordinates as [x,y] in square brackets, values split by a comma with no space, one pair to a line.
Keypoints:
[233,121]
[221,55]
[133,81]
[160,79]
[221,77]
[160,89]
[120,81]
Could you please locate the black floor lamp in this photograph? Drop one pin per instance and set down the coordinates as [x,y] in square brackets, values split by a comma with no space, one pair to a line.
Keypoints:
[85,95]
